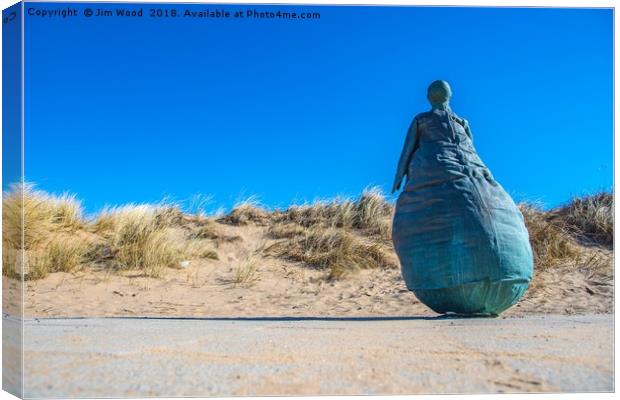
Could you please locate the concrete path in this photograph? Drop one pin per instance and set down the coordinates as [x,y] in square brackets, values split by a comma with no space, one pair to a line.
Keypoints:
[203,357]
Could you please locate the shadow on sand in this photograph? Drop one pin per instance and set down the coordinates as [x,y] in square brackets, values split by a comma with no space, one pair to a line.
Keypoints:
[286,319]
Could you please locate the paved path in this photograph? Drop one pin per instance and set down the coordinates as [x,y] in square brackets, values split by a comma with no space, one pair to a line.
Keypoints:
[201,357]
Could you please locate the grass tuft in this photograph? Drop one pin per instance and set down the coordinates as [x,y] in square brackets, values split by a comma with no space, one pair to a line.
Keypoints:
[139,237]
[60,254]
[245,272]
[42,214]
[370,213]
[551,242]
[591,217]
[245,212]
[285,231]
[374,213]
[335,250]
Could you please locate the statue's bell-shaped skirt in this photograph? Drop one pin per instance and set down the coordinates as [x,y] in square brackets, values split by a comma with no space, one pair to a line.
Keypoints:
[461,240]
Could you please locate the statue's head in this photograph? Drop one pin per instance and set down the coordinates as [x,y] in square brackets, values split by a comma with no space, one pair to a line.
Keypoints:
[439,92]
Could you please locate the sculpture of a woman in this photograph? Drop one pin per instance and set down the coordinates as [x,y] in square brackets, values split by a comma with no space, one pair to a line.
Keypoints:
[460,238]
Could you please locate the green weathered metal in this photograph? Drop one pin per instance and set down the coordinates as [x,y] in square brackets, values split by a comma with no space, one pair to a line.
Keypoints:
[461,240]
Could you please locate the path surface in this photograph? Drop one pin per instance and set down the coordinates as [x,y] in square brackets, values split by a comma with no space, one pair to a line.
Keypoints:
[190,357]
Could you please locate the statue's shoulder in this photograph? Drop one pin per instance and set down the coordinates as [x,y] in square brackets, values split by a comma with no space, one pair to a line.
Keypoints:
[424,116]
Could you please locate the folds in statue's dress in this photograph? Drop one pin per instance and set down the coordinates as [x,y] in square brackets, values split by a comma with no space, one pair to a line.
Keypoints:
[461,240]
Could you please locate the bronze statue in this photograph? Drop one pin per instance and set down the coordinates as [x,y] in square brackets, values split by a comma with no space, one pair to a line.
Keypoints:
[460,238]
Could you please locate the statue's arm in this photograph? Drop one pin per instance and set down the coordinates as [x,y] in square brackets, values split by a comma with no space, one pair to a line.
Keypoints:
[405,156]
[467,129]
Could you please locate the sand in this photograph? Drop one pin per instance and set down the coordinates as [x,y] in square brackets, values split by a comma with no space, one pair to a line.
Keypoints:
[96,357]
[207,288]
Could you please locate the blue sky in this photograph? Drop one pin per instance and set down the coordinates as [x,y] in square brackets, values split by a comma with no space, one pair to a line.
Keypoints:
[11,89]
[125,110]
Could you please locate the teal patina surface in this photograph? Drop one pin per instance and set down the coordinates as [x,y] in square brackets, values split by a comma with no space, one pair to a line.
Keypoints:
[461,240]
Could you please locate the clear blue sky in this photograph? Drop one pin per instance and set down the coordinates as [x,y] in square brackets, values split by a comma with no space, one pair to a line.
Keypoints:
[133,109]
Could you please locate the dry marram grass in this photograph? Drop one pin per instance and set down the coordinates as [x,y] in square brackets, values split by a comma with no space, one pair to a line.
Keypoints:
[139,238]
[338,236]
[591,216]
[245,271]
[337,251]
[551,243]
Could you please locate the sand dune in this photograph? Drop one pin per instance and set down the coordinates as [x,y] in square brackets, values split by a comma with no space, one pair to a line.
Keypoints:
[331,258]
[280,288]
